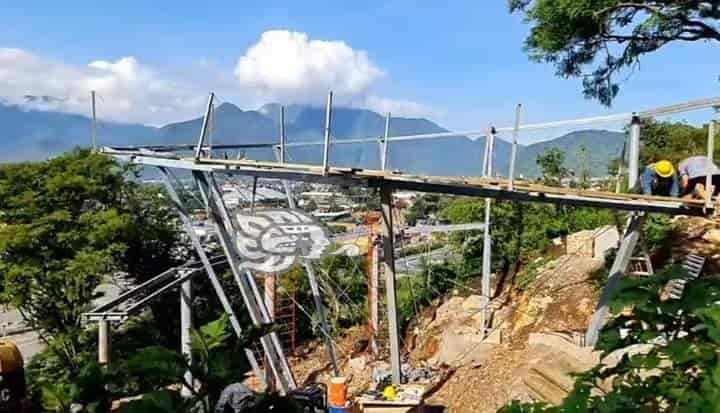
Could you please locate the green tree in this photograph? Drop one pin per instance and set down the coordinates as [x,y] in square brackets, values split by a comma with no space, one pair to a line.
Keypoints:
[597,40]
[552,166]
[67,224]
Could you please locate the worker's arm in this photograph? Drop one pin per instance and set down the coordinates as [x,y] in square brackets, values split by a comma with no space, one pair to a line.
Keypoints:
[646,180]
[675,188]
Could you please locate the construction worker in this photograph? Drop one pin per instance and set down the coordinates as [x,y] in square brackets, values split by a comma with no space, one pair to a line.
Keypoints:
[659,178]
[693,173]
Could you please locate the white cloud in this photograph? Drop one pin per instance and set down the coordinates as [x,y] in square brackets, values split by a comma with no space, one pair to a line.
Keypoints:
[290,67]
[399,107]
[127,90]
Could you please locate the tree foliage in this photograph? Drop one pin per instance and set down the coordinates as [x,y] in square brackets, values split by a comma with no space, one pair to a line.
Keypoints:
[65,225]
[552,166]
[596,40]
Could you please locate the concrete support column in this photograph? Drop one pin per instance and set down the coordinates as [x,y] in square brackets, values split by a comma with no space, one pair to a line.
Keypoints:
[104,342]
[634,152]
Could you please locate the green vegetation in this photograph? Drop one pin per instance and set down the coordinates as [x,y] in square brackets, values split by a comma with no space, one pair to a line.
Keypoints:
[598,40]
[678,372]
[552,166]
[69,223]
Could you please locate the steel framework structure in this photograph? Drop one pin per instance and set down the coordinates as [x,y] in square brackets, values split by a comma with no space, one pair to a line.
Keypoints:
[204,167]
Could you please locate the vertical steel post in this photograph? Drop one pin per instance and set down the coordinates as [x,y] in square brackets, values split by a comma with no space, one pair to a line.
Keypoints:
[710,163]
[328,120]
[373,301]
[94,121]
[389,260]
[487,241]
[513,153]
[386,146]
[186,298]
[282,134]
[634,152]
[104,342]
[204,129]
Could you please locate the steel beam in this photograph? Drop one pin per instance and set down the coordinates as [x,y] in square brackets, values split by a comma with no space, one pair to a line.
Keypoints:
[389,266]
[200,251]
[282,135]
[628,244]
[420,184]
[224,223]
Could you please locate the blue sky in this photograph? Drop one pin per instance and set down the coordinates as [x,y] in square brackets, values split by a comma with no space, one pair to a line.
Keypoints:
[461,62]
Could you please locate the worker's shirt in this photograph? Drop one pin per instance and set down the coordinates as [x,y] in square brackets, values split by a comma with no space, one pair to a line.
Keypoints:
[697,166]
[653,184]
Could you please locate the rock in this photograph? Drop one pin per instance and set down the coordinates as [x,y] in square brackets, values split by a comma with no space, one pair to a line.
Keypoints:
[473,303]
[712,235]
[358,364]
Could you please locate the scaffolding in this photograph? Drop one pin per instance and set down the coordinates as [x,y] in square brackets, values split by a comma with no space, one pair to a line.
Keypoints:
[203,169]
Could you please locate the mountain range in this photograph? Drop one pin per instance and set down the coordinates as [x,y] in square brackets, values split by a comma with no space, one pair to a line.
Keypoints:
[34,134]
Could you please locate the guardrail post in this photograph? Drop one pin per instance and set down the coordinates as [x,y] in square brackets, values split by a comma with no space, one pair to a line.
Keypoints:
[634,152]
[386,146]
[328,120]
[513,153]
[711,156]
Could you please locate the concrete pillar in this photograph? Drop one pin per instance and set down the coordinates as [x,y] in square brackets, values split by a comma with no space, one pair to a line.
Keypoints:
[186,325]
[104,342]
[389,266]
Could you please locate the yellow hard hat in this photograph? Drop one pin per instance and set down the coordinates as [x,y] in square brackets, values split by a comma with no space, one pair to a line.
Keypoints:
[389,393]
[664,168]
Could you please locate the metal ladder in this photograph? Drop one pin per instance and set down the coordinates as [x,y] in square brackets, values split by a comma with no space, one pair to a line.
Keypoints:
[641,265]
[693,264]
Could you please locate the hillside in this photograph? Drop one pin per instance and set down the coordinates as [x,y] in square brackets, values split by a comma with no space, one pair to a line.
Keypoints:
[33,135]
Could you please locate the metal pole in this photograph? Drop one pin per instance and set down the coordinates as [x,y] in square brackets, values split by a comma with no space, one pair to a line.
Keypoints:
[634,152]
[386,147]
[622,259]
[373,301]
[282,134]
[513,153]
[710,163]
[326,148]
[389,260]
[104,342]
[94,121]
[186,297]
[487,241]
[204,129]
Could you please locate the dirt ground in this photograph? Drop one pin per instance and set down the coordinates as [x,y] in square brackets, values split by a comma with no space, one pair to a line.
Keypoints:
[560,300]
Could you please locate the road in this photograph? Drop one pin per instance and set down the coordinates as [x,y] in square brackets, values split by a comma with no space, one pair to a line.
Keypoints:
[414,263]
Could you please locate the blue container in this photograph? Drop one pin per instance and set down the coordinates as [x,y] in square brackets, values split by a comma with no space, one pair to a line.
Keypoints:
[338,409]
